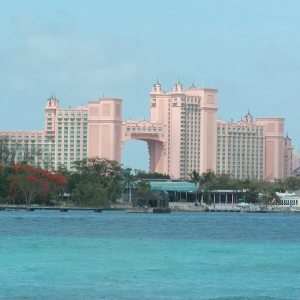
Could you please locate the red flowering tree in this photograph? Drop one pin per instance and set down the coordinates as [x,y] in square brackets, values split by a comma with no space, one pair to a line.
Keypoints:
[56,183]
[28,187]
[29,183]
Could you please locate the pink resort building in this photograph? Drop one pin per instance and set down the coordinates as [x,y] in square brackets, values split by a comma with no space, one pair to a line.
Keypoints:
[254,150]
[296,159]
[182,134]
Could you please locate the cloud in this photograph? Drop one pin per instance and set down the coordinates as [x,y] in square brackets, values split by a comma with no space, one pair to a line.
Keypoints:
[48,53]
[274,64]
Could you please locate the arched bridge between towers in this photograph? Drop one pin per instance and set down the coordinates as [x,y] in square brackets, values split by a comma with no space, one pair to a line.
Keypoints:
[153,134]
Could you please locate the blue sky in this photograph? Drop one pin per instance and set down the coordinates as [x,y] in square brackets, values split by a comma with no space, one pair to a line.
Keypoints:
[248,50]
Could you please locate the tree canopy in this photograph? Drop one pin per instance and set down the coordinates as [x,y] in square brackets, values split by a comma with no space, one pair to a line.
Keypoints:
[27,183]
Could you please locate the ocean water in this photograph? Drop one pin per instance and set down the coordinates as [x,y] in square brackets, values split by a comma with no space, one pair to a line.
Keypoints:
[116,255]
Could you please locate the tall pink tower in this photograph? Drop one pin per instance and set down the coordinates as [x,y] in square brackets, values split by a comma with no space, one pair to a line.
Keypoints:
[182,132]
[105,128]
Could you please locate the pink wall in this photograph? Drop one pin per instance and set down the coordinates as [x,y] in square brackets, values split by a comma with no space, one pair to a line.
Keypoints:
[104,128]
[274,149]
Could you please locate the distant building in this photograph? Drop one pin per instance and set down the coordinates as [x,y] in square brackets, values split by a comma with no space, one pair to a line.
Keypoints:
[241,148]
[182,135]
[287,199]
[295,159]
[288,157]
[254,150]
[68,135]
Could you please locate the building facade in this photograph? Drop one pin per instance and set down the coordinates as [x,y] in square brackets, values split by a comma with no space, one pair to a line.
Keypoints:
[183,134]
[182,131]
[288,157]
[254,150]
[68,135]
[295,159]
[241,148]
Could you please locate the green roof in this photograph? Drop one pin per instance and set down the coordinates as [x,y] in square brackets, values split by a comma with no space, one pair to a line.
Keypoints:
[172,186]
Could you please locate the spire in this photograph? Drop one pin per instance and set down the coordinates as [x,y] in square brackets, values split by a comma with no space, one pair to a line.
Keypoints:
[287,137]
[156,88]
[248,118]
[193,86]
[178,81]
[51,97]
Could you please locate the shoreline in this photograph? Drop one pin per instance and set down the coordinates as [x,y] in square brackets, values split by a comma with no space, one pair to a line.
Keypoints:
[181,208]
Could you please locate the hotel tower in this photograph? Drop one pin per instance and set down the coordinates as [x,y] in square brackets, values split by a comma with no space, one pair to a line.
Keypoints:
[182,135]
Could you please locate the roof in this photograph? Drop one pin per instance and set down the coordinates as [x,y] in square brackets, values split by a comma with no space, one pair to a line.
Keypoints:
[173,186]
[296,171]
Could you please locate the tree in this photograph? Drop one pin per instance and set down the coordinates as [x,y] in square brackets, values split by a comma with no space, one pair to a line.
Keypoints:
[115,189]
[208,176]
[129,179]
[103,172]
[251,194]
[98,170]
[291,183]
[194,177]
[206,196]
[27,183]
[268,194]
[90,194]
[140,174]
[56,183]
[142,187]
[223,181]
[5,173]
[4,150]
[28,186]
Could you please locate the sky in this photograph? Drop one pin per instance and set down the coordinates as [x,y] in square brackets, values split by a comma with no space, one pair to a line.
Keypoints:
[82,50]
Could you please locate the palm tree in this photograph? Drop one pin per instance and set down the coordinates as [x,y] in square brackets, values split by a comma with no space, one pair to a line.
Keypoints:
[129,179]
[195,178]
[142,187]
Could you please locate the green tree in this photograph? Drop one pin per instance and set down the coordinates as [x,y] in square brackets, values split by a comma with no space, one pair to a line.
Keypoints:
[90,194]
[194,177]
[251,194]
[140,174]
[206,196]
[99,170]
[5,173]
[104,172]
[142,187]
[223,181]
[268,193]
[291,183]
[129,179]
[5,152]
[115,189]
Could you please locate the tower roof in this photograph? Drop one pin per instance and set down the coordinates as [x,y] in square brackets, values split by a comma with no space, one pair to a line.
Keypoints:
[248,114]
[287,137]
[52,97]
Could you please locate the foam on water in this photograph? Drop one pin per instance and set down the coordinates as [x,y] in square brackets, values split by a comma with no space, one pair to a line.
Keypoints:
[114,255]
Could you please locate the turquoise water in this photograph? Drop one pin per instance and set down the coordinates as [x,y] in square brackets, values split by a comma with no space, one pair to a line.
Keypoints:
[114,255]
